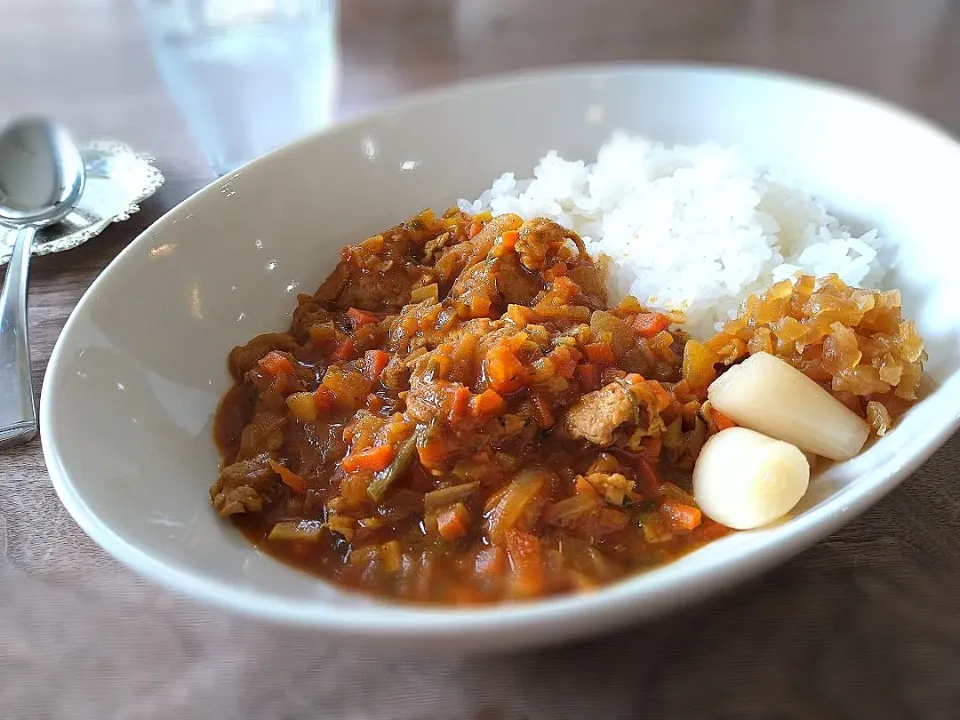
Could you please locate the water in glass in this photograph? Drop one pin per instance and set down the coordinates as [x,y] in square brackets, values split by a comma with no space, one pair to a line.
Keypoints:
[248,75]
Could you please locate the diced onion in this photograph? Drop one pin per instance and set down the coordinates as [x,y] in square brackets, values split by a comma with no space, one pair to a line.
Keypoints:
[745,480]
[768,395]
[427,292]
[303,530]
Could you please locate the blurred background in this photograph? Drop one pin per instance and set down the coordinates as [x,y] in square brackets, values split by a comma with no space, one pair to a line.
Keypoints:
[92,61]
[865,624]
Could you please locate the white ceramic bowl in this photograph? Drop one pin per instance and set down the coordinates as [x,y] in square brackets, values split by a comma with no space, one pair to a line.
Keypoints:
[133,383]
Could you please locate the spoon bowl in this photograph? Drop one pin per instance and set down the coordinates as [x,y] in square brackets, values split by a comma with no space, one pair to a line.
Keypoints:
[41,180]
[41,173]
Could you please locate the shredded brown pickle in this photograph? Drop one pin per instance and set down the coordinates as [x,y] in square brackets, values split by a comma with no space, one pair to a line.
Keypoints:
[854,342]
[458,415]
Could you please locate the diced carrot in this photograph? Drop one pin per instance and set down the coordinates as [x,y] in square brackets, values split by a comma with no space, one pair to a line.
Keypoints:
[565,360]
[344,350]
[275,363]
[324,398]
[587,373]
[582,486]
[433,454]
[359,317]
[516,341]
[491,563]
[374,244]
[426,217]
[683,392]
[599,352]
[373,459]
[486,403]
[288,477]
[479,305]
[504,370]
[526,558]
[543,410]
[453,522]
[375,403]
[507,243]
[475,227]
[374,361]
[647,325]
[720,420]
[459,402]
[634,378]
[566,287]
[710,530]
[663,397]
[681,517]
[555,271]
[432,317]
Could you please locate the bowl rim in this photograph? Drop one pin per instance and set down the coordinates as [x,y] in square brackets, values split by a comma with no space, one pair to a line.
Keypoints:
[638,596]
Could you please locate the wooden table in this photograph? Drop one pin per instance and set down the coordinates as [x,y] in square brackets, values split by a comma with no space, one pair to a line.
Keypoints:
[865,624]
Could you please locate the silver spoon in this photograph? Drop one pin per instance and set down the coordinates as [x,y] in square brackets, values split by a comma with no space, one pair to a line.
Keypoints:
[41,179]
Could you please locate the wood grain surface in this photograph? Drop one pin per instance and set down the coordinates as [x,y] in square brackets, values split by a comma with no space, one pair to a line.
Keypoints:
[865,624]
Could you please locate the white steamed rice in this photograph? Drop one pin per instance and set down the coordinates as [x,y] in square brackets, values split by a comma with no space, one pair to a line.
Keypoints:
[694,229]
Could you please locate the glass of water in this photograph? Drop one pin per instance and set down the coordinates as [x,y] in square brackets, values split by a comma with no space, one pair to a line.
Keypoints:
[248,75]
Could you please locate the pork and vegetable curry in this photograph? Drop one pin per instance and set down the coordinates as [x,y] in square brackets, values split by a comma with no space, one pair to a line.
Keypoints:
[459,415]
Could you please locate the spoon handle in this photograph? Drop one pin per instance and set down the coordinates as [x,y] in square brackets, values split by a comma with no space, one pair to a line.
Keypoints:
[18,414]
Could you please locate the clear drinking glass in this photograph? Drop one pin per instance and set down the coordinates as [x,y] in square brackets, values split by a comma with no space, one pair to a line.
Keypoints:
[248,75]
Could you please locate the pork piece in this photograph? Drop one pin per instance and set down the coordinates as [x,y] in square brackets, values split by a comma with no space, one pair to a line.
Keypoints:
[596,415]
[238,488]
[425,399]
[516,285]
[234,414]
[541,238]
[589,277]
[377,286]
[309,313]
[512,433]
[452,260]
[264,433]
[504,277]
[537,238]
[375,276]
[614,487]
[396,374]
[477,279]
[434,246]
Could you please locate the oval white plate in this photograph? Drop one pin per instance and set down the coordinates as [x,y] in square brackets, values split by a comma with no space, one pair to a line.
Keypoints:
[134,380]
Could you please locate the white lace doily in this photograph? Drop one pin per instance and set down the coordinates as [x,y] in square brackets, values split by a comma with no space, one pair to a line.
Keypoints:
[118,180]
